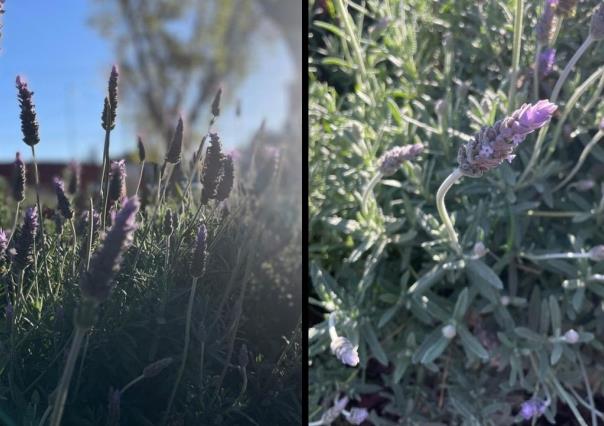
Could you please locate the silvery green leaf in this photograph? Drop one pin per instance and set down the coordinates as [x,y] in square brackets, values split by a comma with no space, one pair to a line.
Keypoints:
[554,310]
[527,333]
[478,271]
[430,278]
[431,347]
[461,306]
[472,344]
[556,353]
[374,344]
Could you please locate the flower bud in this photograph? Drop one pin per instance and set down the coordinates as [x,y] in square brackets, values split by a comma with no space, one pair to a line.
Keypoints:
[29,121]
[173,155]
[533,408]
[571,337]
[449,331]
[597,253]
[392,159]
[141,149]
[63,203]
[479,249]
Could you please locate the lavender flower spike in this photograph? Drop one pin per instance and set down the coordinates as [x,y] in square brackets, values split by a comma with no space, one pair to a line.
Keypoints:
[547,59]
[19,179]
[24,241]
[96,284]
[392,159]
[533,408]
[496,143]
[29,121]
[198,261]
[63,203]
[117,181]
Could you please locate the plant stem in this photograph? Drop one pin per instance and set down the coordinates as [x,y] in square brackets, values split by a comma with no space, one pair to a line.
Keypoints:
[568,255]
[14,224]
[442,210]
[369,189]
[183,362]
[132,383]
[332,326]
[140,178]
[105,170]
[567,399]
[63,388]
[581,160]
[519,5]
[536,73]
[37,181]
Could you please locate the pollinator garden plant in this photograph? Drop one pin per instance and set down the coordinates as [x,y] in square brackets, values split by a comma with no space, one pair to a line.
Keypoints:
[138,306]
[456,208]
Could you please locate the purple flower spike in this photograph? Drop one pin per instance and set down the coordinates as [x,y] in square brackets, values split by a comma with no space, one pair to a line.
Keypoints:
[63,203]
[533,408]
[545,25]
[3,243]
[117,181]
[198,260]
[392,159]
[493,144]
[29,121]
[547,59]
[96,284]
[24,241]
[19,179]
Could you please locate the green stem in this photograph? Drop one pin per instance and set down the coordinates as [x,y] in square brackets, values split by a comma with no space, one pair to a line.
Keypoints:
[442,210]
[63,388]
[581,160]
[183,362]
[132,383]
[369,190]
[568,255]
[590,395]
[356,48]
[536,73]
[519,5]
[140,178]
[14,223]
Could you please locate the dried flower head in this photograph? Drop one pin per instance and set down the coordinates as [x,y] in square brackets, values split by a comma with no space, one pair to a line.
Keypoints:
[496,143]
[226,179]
[155,368]
[29,121]
[198,259]
[357,415]
[546,24]
[597,253]
[211,169]
[344,350]
[96,283]
[117,181]
[546,62]
[334,412]
[392,159]
[533,408]
[141,149]
[173,154]
[63,203]
[596,29]
[24,241]
[566,8]
[110,106]
[216,103]
[19,180]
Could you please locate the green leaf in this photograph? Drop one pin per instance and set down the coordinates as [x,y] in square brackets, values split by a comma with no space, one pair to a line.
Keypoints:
[427,280]
[394,110]
[478,271]
[554,310]
[431,348]
[461,306]
[374,344]
[528,334]
[556,353]
[472,344]
[388,314]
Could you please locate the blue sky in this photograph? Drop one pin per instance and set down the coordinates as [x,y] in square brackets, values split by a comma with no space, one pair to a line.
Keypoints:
[66,64]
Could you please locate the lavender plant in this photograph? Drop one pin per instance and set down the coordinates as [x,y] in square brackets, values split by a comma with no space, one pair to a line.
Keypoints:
[497,323]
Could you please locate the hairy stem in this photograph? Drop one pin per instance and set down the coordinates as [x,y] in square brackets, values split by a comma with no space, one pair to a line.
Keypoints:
[442,210]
